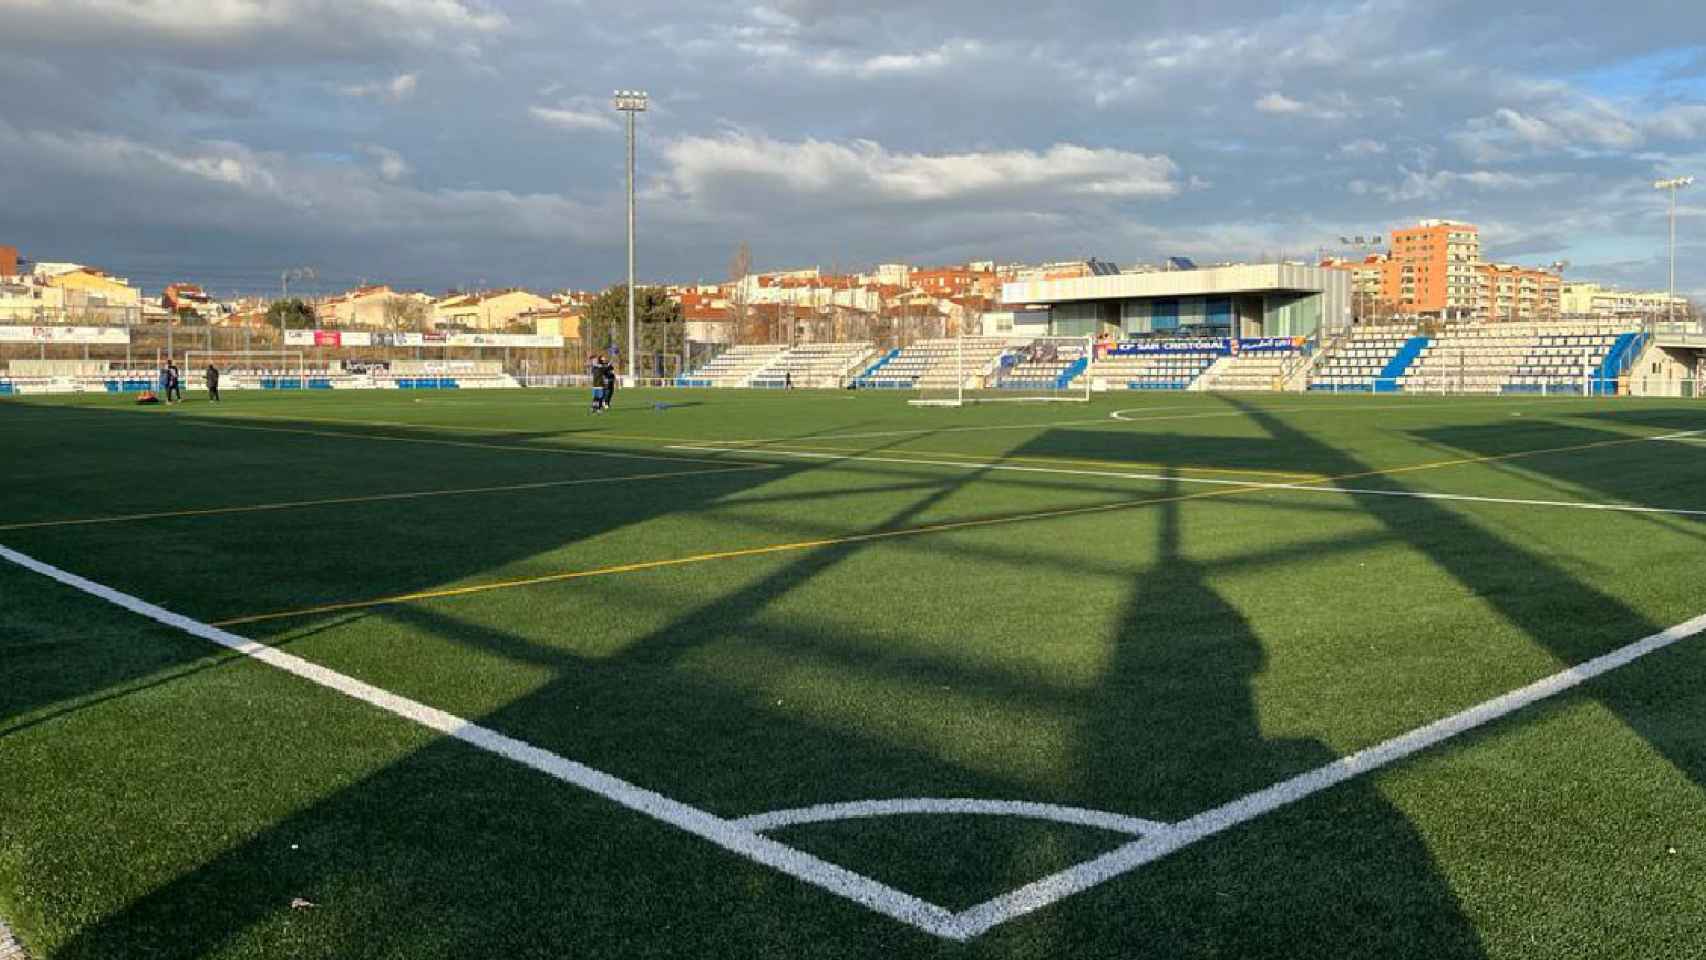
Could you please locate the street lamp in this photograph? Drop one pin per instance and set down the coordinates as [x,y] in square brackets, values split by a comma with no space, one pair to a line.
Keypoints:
[1673,185]
[1360,246]
[631,102]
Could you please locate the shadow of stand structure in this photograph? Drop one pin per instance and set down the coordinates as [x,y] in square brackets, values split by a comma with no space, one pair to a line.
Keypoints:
[379,844]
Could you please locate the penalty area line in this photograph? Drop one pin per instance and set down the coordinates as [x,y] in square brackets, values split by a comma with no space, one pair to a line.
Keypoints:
[724,833]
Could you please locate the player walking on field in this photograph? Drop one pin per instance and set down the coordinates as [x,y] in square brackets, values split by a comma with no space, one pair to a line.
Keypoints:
[607,371]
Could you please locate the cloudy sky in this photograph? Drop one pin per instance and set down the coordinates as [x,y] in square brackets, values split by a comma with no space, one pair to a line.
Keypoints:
[433,143]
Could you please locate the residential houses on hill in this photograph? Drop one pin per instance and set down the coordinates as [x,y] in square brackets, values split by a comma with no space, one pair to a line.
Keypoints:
[1433,269]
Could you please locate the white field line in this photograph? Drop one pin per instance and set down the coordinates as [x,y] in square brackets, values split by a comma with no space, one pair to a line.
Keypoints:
[1251,806]
[1686,436]
[738,836]
[803,866]
[1103,421]
[1252,485]
[1077,816]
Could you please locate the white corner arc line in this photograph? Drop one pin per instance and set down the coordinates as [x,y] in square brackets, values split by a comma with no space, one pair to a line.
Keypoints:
[1314,486]
[827,812]
[1262,802]
[870,893]
[733,836]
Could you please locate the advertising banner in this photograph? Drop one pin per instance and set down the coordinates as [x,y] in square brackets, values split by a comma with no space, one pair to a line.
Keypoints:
[1221,346]
[118,336]
[355,338]
[522,340]
[1128,348]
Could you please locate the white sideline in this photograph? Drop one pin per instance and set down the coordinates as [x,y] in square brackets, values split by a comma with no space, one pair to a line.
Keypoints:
[1253,485]
[825,812]
[741,836]
[803,866]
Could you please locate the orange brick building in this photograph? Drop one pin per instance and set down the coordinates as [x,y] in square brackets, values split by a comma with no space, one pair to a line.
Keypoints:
[1510,292]
[1434,270]
[8,261]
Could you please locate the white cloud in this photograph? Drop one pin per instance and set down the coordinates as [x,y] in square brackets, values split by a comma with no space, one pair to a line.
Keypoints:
[1434,185]
[580,113]
[1336,106]
[273,29]
[219,182]
[391,165]
[395,90]
[1277,102]
[1580,125]
[900,64]
[1362,148]
[702,170]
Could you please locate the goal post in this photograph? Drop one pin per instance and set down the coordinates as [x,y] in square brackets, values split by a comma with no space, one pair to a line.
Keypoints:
[285,369]
[1044,370]
[942,382]
[995,370]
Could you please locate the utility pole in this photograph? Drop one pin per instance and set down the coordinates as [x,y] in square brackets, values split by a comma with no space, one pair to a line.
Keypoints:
[631,102]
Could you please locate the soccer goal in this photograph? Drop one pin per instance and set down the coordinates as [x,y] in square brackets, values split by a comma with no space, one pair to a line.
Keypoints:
[275,369]
[993,370]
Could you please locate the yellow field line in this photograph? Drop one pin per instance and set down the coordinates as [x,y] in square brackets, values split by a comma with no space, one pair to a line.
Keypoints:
[719,555]
[350,435]
[877,535]
[373,498]
[1493,458]
[422,426]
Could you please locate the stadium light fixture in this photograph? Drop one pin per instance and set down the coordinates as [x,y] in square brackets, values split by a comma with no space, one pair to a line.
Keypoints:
[631,102]
[1673,185]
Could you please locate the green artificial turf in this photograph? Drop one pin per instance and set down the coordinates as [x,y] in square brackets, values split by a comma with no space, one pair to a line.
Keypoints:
[756,601]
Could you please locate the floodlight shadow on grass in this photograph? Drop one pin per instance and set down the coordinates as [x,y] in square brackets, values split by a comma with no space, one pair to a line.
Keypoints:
[1574,623]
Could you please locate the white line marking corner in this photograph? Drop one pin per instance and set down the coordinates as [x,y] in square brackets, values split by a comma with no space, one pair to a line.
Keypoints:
[743,836]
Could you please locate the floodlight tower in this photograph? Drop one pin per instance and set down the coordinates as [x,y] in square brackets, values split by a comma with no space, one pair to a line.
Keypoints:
[1673,185]
[284,278]
[631,102]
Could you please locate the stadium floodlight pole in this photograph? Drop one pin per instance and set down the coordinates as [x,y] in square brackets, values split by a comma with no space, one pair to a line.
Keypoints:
[284,278]
[631,102]
[1673,185]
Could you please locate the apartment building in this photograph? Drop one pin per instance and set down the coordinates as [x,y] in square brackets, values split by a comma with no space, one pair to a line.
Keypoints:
[1586,299]
[1433,270]
[487,311]
[1509,292]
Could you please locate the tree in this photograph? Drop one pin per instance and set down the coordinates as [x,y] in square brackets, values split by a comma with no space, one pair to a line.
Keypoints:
[292,313]
[408,314]
[604,326]
[739,267]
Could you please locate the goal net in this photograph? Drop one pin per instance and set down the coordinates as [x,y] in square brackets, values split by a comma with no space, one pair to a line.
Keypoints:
[994,370]
[251,369]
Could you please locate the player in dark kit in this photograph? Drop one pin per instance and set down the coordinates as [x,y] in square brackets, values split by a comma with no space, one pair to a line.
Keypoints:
[212,383]
[596,374]
[609,372]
